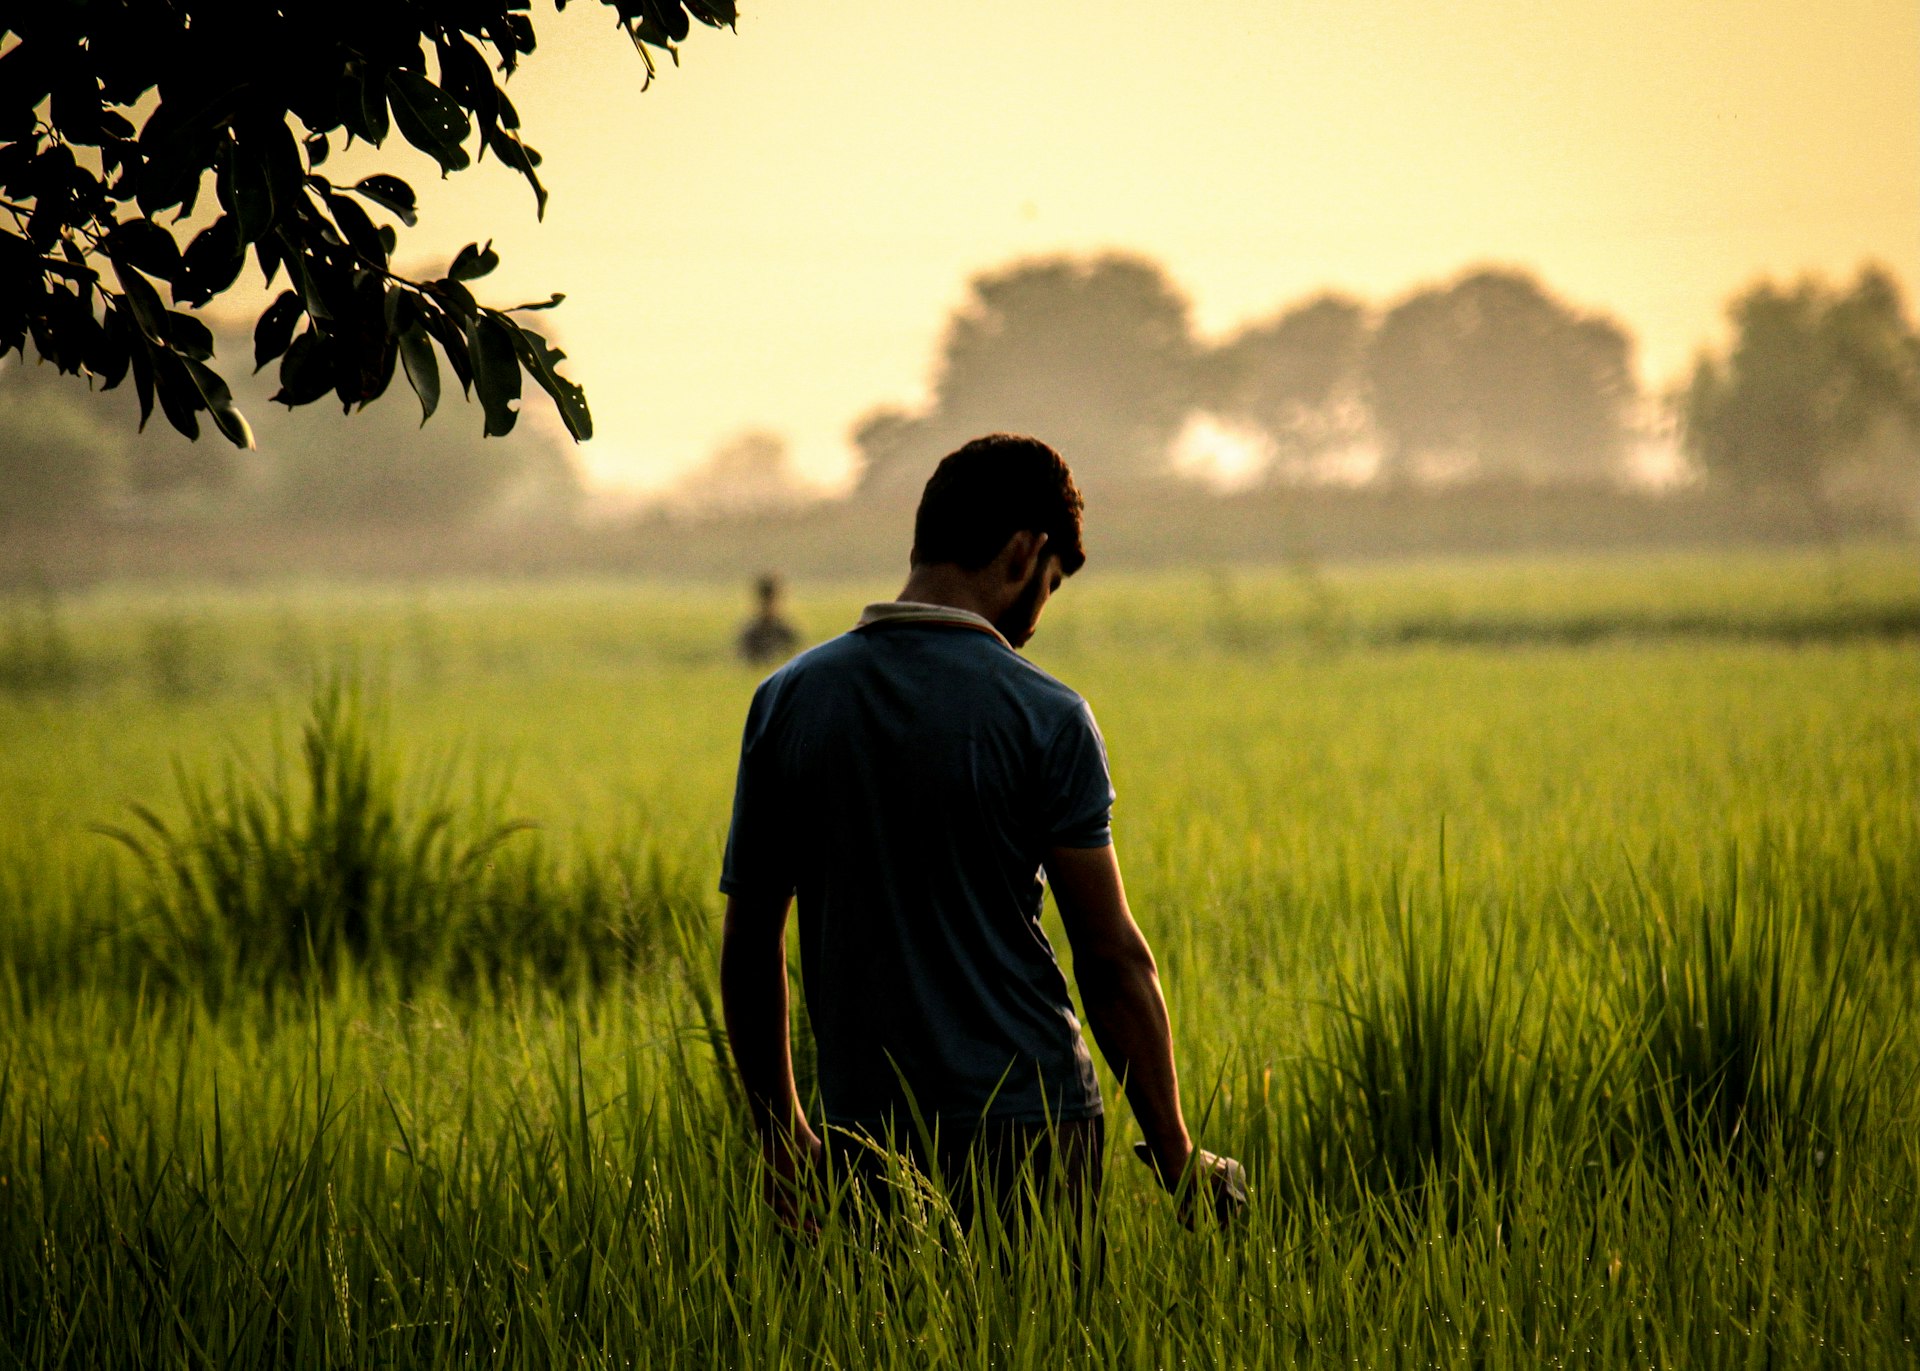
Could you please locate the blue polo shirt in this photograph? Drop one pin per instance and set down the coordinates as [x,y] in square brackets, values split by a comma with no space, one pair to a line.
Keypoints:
[904,781]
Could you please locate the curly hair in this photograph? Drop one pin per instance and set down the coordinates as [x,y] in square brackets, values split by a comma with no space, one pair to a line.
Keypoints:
[983,493]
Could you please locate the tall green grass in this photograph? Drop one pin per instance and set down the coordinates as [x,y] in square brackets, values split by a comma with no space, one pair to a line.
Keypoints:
[348,862]
[347,1073]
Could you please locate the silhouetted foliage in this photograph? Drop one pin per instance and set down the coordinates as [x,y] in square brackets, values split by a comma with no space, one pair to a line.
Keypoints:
[1093,355]
[1297,377]
[1813,374]
[68,458]
[1493,377]
[257,96]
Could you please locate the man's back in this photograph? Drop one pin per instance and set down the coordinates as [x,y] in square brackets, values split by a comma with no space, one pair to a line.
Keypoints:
[906,780]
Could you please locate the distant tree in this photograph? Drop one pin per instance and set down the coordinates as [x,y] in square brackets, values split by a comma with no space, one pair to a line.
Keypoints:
[59,463]
[1093,355]
[1812,374]
[887,439]
[748,474]
[255,97]
[1297,378]
[1497,378]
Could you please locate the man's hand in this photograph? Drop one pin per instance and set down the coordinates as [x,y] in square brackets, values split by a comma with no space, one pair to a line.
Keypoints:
[792,1177]
[1205,1183]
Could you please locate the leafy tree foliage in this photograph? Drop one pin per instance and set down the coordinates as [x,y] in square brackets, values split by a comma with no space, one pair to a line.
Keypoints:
[1812,373]
[1297,377]
[107,206]
[1501,379]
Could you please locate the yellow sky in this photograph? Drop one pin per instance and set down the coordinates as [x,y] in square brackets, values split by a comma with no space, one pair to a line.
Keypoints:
[772,236]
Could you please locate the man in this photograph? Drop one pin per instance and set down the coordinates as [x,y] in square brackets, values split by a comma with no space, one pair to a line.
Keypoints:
[909,780]
[767,637]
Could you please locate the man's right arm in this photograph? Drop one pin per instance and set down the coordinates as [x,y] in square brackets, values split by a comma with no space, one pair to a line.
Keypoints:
[1120,990]
[753,999]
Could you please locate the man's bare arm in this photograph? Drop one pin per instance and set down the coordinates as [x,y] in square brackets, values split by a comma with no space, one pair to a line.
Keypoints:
[753,997]
[1120,989]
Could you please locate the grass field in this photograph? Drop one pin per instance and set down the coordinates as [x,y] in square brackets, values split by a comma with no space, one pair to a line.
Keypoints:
[1542,936]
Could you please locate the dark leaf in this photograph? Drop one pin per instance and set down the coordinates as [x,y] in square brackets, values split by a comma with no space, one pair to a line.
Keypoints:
[357,229]
[187,336]
[141,358]
[453,341]
[423,369]
[496,372]
[144,244]
[211,262]
[306,372]
[272,143]
[275,330]
[542,361]
[651,31]
[108,352]
[311,278]
[181,140]
[547,303]
[716,13]
[391,193]
[268,254]
[473,261]
[25,80]
[143,300]
[466,76]
[179,396]
[673,19]
[456,298]
[429,119]
[363,102]
[317,149]
[219,403]
[76,108]
[507,146]
[246,192]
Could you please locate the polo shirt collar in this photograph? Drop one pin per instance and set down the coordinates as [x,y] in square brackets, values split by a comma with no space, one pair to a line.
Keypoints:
[914,612]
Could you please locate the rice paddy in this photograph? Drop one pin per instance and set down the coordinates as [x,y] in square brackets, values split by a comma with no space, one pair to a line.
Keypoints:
[1542,936]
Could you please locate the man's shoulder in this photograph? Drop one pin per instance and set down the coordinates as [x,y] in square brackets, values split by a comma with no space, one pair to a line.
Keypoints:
[825,656]
[1039,684]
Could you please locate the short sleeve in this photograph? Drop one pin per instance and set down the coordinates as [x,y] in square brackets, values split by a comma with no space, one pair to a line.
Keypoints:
[1078,785]
[759,840]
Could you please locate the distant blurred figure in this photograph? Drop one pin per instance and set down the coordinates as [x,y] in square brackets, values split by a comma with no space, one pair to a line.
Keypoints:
[768,637]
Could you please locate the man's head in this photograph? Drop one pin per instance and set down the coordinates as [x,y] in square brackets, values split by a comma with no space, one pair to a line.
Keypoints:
[1004,511]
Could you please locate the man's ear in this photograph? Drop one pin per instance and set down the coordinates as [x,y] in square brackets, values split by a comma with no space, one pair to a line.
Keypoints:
[1022,554]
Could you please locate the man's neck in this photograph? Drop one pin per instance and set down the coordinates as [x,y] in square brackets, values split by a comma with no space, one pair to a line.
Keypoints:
[943,584]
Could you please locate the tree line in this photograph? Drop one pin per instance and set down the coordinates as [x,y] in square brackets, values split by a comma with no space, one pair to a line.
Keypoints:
[1490,377]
